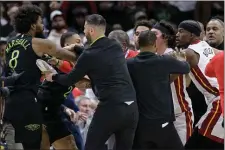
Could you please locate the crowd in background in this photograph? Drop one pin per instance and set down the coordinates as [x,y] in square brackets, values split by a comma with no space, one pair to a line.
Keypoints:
[119,15]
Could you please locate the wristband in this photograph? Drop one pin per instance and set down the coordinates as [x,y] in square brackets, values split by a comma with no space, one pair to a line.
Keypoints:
[54,76]
[78,50]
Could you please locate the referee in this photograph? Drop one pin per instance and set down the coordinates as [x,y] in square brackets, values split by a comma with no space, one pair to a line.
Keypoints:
[104,63]
[150,74]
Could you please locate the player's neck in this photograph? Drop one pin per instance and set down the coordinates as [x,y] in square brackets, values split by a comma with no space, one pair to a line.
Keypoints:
[30,33]
[195,41]
[161,49]
[148,49]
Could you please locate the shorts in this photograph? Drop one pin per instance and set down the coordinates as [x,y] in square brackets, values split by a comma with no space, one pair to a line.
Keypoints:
[184,125]
[210,124]
[23,111]
[55,126]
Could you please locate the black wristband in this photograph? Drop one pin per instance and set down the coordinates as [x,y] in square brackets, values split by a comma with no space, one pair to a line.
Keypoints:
[54,76]
[78,50]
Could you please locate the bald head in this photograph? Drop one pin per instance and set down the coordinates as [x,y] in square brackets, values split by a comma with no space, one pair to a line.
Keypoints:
[121,37]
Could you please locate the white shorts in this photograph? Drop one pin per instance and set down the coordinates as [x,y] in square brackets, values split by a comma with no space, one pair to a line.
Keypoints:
[210,124]
[184,125]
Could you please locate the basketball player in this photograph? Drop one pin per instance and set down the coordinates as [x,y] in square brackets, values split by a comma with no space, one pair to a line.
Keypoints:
[215,68]
[209,133]
[165,43]
[22,108]
[52,95]
[140,26]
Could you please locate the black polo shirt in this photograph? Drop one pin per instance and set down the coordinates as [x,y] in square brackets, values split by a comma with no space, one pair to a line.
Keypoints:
[104,63]
[150,74]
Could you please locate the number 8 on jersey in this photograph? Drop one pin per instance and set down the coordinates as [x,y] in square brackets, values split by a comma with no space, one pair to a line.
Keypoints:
[13,60]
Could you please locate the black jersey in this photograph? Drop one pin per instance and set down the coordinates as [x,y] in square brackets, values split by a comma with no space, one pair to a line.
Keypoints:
[20,57]
[53,94]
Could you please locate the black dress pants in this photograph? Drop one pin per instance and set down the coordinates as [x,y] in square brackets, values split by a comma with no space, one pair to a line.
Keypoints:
[151,136]
[119,119]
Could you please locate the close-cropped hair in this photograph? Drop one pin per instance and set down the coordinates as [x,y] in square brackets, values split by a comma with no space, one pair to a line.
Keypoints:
[96,19]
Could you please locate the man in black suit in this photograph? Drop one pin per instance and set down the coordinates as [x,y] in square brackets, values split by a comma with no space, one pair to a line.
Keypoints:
[150,74]
[104,63]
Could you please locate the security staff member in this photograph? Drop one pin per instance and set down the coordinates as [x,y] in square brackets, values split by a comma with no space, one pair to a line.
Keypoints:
[104,63]
[150,74]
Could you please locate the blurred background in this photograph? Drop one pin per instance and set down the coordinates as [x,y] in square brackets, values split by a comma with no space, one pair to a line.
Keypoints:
[62,16]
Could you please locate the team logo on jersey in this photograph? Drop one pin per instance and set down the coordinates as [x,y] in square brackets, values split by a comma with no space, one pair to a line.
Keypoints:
[208,51]
[32,127]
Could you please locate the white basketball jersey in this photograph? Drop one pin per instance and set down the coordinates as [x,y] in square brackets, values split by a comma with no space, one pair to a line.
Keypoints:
[181,100]
[206,85]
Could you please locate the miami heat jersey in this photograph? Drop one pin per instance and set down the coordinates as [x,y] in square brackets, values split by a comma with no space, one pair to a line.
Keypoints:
[208,86]
[182,107]
[181,100]
[210,124]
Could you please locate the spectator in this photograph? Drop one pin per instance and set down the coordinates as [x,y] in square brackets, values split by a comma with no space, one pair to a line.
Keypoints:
[6,26]
[78,19]
[55,5]
[58,26]
[67,8]
[84,105]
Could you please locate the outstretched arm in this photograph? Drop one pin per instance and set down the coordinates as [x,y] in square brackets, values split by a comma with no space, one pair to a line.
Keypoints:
[78,72]
[191,57]
[45,46]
